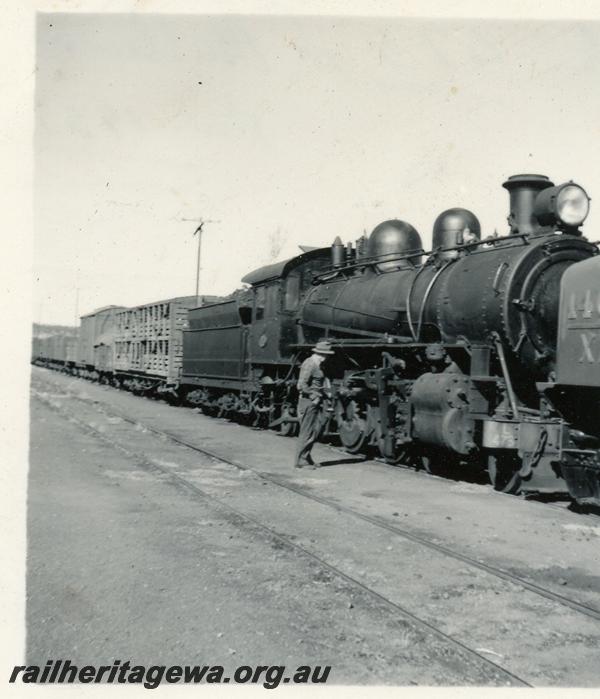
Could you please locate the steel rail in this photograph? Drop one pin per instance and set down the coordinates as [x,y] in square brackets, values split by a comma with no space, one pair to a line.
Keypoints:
[144,461]
[376,521]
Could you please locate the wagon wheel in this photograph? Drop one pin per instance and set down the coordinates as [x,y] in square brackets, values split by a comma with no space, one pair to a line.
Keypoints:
[288,429]
[228,406]
[386,447]
[411,457]
[407,455]
[243,416]
[439,464]
[388,450]
[352,427]
[260,419]
[210,409]
[503,471]
[263,412]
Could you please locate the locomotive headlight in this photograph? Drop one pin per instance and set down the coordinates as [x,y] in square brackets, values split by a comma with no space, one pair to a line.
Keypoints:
[567,204]
[572,205]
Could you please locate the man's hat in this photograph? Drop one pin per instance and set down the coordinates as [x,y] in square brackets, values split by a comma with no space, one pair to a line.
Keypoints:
[323,348]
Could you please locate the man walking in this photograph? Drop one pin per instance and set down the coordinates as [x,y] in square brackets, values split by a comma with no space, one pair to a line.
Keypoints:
[313,388]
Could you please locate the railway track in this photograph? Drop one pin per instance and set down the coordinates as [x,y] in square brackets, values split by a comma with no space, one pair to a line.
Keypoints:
[497,572]
[499,673]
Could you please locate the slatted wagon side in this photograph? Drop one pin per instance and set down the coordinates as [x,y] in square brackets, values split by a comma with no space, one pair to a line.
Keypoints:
[149,339]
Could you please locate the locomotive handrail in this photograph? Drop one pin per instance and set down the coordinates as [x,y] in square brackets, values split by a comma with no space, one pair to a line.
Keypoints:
[430,254]
[409,299]
[426,295]
[362,333]
[367,261]
[491,240]
[356,342]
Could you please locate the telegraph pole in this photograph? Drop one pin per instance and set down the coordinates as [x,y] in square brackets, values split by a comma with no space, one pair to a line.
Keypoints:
[76,306]
[199,230]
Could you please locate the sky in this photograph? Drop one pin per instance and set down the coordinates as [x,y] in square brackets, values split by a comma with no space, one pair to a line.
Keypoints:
[284,131]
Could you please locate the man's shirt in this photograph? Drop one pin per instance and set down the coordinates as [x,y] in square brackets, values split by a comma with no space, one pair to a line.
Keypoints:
[312,381]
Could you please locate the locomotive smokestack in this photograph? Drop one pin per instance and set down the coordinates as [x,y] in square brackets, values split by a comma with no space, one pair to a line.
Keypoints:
[523,190]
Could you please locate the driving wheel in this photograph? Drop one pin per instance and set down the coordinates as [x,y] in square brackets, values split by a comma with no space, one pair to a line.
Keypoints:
[352,428]
[503,471]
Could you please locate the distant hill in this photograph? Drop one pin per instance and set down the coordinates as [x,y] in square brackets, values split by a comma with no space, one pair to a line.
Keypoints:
[42,330]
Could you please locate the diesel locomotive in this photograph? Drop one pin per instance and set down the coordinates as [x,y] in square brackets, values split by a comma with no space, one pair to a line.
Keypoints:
[483,353]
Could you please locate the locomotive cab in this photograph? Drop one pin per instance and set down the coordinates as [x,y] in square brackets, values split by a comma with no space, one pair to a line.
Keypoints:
[278,290]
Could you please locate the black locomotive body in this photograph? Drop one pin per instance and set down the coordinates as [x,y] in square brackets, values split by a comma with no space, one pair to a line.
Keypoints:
[470,356]
[448,358]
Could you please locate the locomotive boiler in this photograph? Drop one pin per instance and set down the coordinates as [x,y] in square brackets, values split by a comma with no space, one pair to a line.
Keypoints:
[448,360]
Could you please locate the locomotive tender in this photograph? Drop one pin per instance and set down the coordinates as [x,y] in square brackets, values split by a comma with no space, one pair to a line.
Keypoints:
[483,353]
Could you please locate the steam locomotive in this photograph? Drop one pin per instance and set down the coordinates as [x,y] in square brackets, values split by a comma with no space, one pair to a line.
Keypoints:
[482,354]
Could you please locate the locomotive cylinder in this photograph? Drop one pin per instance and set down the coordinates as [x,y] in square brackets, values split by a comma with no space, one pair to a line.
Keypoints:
[440,412]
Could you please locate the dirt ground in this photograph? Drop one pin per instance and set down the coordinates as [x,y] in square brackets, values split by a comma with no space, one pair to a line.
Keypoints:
[141,548]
